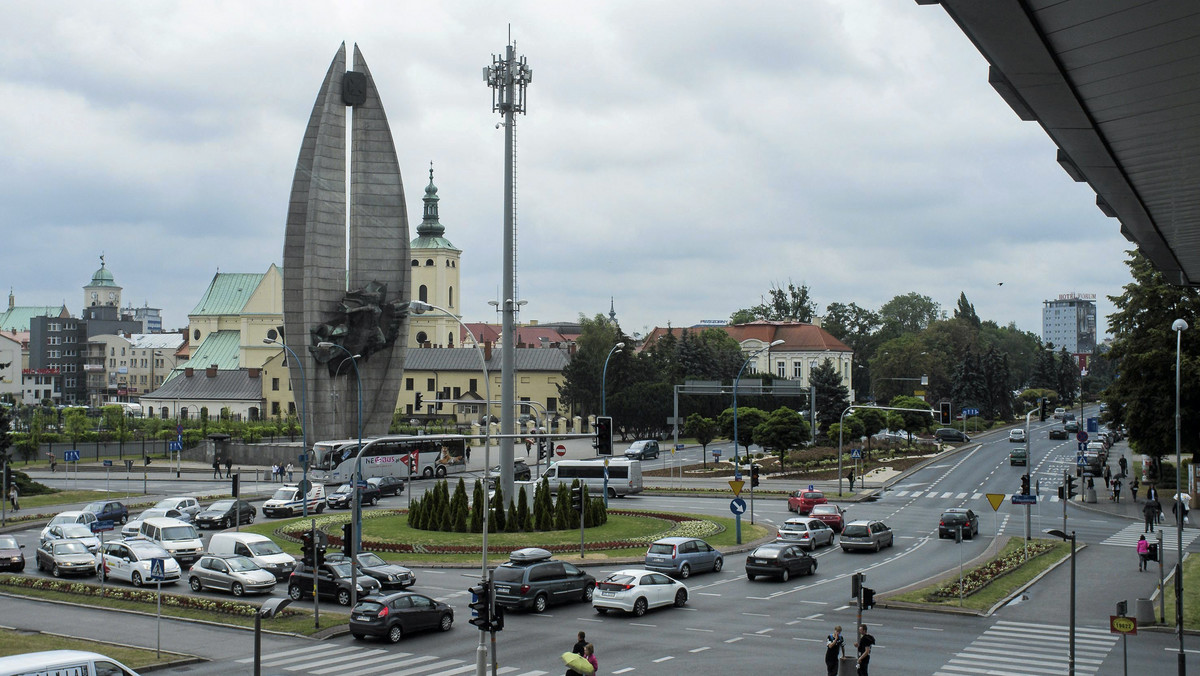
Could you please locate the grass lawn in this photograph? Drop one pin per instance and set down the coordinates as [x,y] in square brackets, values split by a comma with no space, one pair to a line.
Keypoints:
[1191,600]
[1000,588]
[19,643]
[619,527]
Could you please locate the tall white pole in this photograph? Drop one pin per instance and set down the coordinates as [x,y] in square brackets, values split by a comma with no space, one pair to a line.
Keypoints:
[1179,326]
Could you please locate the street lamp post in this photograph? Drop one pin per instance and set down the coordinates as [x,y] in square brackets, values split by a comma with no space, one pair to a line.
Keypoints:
[604,376]
[841,434]
[354,546]
[1179,326]
[1071,650]
[737,465]
[303,415]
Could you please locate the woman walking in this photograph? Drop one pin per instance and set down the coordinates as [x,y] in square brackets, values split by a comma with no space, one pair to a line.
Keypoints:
[1143,550]
[589,654]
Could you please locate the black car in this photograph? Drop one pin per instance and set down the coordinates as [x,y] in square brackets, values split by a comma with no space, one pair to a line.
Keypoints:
[521,471]
[343,497]
[223,513]
[953,519]
[395,615]
[389,575]
[387,485]
[781,560]
[951,434]
[532,579]
[11,556]
[1058,433]
[333,582]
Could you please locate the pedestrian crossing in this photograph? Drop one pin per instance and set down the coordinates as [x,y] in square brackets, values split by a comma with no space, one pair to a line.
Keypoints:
[346,660]
[1128,536]
[1028,648]
[947,495]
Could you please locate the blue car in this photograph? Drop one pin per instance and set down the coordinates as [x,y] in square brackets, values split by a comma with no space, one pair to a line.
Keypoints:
[681,556]
[108,510]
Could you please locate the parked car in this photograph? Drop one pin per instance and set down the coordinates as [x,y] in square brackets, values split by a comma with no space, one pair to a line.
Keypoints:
[957,517]
[389,575]
[1016,435]
[681,556]
[65,557]
[642,449]
[258,548]
[521,472]
[396,615]
[951,434]
[532,579]
[63,662]
[108,510]
[781,560]
[637,590]
[235,574]
[801,502]
[808,532]
[831,514]
[129,560]
[73,531]
[874,535]
[343,497]
[1057,433]
[186,504]
[387,485]
[333,582]
[223,514]
[11,556]
[73,516]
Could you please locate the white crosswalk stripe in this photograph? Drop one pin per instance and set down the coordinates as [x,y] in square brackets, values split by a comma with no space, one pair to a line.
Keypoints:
[901,494]
[1128,536]
[1030,649]
[350,660]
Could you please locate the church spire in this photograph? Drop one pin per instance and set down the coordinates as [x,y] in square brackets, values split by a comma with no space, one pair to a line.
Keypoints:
[430,227]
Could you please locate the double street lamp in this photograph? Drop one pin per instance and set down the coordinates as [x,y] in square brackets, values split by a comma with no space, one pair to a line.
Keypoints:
[604,375]
[270,340]
[1071,649]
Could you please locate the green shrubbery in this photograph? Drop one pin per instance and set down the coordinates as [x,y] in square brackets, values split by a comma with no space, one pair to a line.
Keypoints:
[438,510]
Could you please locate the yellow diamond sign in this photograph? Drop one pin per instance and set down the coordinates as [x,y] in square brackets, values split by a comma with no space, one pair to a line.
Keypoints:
[996,499]
[736,485]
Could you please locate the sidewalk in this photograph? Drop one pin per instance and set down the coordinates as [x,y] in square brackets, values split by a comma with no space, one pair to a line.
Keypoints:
[1127,508]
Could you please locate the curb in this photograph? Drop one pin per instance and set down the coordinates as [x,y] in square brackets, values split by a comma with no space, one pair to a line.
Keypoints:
[183,660]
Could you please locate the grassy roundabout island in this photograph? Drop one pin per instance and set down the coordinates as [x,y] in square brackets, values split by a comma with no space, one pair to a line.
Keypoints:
[626,534]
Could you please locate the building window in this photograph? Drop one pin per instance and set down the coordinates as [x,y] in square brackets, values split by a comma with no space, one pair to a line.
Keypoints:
[551,404]
[291,408]
[408,384]
[183,413]
[451,296]
[430,385]
[422,338]
[112,363]
[415,263]
[798,370]
[473,385]
[423,294]
[274,384]
[429,262]
[457,393]
[781,369]
[53,327]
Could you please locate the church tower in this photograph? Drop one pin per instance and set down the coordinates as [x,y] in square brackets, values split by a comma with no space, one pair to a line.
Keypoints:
[102,290]
[434,278]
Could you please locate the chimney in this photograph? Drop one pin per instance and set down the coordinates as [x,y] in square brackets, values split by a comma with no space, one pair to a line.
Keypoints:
[254,373]
[188,371]
[211,371]
[487,350]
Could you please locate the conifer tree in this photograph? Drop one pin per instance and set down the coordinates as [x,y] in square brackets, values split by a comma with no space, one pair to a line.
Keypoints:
[477,507]
[524,518]
[498,512]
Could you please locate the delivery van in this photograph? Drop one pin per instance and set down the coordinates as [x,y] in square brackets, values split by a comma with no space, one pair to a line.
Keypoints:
[258,548]
[287,501]
[63,663]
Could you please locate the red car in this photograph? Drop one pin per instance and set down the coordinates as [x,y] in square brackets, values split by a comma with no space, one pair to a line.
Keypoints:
[801,502]
[831,514]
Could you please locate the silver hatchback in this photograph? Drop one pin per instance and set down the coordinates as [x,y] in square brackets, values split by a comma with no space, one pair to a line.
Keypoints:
[683,556]
[236,574]
[873,535]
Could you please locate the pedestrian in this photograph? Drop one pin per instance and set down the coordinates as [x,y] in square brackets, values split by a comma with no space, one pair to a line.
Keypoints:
[290,472]
[280,470]
[1143,550]
[1123,464]
[1180,509]
[468,453]
[850,477]
[216,468]
[834,645]
[864,643]
[528,446]
[228,466]
[1133,488]
[1151,514]
[13,497]
[1107,476]
[1116,489]
[580,644]
[274,472]
[589,654]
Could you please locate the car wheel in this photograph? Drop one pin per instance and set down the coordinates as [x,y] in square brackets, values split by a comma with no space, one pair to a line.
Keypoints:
[718,565]
[813,569]
[225,523]
[588,592]
[395,633]
[136,579]
[320,508]
[343,597]
[124,520]
[238,589]
[785,575]
[357,636]
[446,623]
[685,571]
[55,571]
[251,518]
[878,546]
[539,603]
[374,501]
[750,576]
[194,583]
[601,611]
[891,541]
[294,592]
[639,607]
[40,567]
[681,598]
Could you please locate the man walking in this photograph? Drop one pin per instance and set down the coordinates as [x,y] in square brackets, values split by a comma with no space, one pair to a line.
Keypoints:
[228,466]
[1123,464]
[1150,511]
[216,468]
[290,470]
[864,643]
[850,477]
[578,649]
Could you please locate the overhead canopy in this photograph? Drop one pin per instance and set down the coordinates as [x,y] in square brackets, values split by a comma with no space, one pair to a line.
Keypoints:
[1116,85]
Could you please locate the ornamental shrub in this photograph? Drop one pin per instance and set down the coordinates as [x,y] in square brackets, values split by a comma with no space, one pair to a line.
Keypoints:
[498,516]
[477,508]
[524,517]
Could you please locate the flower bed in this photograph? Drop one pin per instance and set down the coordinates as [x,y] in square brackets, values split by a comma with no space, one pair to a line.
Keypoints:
[978,578]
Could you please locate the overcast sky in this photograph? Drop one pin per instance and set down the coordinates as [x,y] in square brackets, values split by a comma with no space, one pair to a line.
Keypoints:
[680,157]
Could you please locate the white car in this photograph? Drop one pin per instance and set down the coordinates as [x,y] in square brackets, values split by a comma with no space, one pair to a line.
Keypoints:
[129,560]
[1016,435]
[186,504]
[636,590]
[67,517]
[133,526]
[73,531]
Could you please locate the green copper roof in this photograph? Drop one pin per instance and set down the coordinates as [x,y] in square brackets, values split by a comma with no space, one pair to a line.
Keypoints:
[102,277]
[430,232]
[228,293]
[222,348]
[17,319]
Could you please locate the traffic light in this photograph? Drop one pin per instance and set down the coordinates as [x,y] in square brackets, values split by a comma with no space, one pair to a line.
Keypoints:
[417,405]
[868,597]
[1152,555]
[306,549]
[1024,484]
[947,418]
[577,499]
[236,480]
[1042,409]
[856,584]
[497,618]
[1070,488]
[481,606]
[603,435]
[753,476]
[348,538]
[146,460]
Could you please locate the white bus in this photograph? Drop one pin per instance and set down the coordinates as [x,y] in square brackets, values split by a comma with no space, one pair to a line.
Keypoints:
[624,475]
[425,456]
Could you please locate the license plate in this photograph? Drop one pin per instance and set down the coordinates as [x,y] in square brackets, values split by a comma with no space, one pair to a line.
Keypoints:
[362,618]
[608,593]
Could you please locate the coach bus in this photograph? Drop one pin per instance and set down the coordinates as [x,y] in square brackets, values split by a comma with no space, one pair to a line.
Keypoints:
[624,476]
[424,456]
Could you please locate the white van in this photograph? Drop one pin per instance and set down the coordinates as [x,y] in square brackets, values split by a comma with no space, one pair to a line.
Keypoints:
[624,475]
[258,548]
[179,538]
[287,501]
[63,663]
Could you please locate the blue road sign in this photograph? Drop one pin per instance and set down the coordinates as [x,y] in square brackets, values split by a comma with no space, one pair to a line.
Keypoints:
[1093,425]
[179,429]
[970,411]
[1080,460]
[302,458]
[856,453]
[100,526]
[175,445]
[156,569]
[107,463]
[1021,499]
[71,456]
[1082,437]
[737,506]
[716,452]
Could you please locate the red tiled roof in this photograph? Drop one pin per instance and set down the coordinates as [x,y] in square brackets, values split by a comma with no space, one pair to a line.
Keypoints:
[796,337]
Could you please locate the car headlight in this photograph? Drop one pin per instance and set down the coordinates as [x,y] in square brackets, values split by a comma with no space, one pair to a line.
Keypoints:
[393,578]
[358,587]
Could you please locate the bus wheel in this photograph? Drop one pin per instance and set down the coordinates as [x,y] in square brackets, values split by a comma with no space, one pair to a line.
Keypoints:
[441,471]
[427,472]
[612,492]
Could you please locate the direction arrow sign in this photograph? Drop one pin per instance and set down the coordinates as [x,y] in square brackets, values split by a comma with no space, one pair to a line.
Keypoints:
[101,526]
[995,499]
[1022,499]
[175,445]
[71,456]
[736,485]
[107,463]
[737,506]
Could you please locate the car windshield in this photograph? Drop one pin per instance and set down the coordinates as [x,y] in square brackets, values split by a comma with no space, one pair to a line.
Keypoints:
[152,512]
[824,509]
[264,548]
[148,550]
[340,569]
[345,488]
[241,564]
[766,553]
[94,507]
[369,559]
[657,548]
[854,530]
[284,494]
[76,530]
[179,533]
[8,542]
[166,504]
[69,548]
[221,506]
[61,519]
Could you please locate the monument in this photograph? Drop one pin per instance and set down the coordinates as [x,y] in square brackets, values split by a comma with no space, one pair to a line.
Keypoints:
[355,301]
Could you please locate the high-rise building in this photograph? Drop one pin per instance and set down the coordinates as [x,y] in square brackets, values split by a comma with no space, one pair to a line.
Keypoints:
[1070,322]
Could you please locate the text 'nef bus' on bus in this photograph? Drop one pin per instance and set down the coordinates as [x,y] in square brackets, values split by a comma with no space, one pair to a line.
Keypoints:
[425,456]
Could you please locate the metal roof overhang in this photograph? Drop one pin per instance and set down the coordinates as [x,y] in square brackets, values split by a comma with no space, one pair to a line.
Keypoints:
[1116,85]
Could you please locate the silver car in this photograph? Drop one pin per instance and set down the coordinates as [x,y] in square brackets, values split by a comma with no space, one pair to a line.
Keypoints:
[873,535]
[72,531]
[65,557]
[236,574]
[806,531]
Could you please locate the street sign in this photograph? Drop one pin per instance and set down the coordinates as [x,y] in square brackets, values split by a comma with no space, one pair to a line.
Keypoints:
[1080,460]
[156,570]
[1022,499]
[1119,624]
[302,458]
[560,450]
[305,486]
[995,500]
[179,429]
[71,456]
[737,506]
[175,445]
[736,485]
[101,526]
[678,447]
[716,452]
[1081,436]
[856,453]
[970,411]
[107,463]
